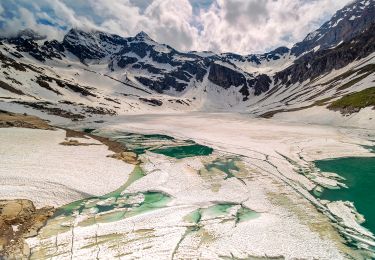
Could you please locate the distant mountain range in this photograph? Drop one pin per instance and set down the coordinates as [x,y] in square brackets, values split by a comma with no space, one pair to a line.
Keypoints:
[264,84]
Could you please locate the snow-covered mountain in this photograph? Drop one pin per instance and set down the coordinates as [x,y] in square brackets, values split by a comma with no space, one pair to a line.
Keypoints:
[342,27]
[96,73]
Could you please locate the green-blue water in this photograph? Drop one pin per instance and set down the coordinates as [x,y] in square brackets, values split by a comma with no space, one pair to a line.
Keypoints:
[180,152]
[226,165]
[371,148]
[116,200]
[88,130]
[161,144]
[359,174]
[125,205]
[222,210]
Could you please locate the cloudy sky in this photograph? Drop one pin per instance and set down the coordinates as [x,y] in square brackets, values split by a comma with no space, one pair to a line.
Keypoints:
[241,26]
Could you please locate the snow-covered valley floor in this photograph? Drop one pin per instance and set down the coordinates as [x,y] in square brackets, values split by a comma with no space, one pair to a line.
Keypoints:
[250,197]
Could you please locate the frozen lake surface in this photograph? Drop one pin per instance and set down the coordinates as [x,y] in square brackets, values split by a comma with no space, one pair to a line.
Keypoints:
[208,186]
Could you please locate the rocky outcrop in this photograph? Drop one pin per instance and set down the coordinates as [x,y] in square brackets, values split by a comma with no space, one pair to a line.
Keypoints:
[19,219]
[128,157]
[8,119]
[152,101]
[7,87]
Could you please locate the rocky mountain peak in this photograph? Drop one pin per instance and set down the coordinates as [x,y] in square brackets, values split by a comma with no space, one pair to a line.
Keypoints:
[343,26]
[142,36]
[92,44]
[30,34]
[91,37]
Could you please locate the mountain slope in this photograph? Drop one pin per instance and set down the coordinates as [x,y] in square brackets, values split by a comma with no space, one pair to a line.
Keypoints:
[343,26]
[92,73]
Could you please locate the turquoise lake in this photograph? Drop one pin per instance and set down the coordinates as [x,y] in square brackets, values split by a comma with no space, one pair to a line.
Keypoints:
[359,174]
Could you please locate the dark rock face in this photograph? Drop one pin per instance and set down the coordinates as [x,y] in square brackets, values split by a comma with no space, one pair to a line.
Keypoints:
[260,84]
[236,57]
[315,64]
[25,41]
[49,50]
[7,87]
[44,84]
[164,83]
[29,46]
[226,77]
[344,25]
[245,93]
[139,48]
[276,53]
[53,46]
[124,61]
[91,45]
[152,101]
[151,69]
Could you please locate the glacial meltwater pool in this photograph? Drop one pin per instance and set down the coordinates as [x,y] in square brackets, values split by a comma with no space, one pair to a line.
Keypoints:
[158,143]
[359,174]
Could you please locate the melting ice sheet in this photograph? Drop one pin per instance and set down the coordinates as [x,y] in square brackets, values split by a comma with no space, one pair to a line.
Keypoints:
[183,201]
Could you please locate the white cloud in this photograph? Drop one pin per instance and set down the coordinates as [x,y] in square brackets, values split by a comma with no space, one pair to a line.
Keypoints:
[171,22]
[254,26]
[242,26]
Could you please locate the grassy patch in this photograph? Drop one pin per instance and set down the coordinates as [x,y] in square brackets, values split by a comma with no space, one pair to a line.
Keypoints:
[354,102]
